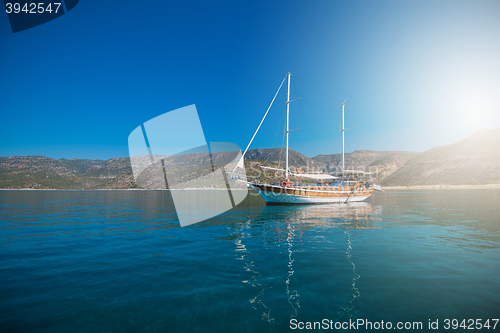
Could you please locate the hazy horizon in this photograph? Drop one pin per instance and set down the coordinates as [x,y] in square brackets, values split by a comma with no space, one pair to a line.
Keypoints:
[251,148]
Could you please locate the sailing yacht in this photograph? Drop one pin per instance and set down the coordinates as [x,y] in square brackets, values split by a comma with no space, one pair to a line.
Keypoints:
[343,187]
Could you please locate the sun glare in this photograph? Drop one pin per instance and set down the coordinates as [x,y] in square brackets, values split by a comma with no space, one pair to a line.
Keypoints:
[471,104]
[475,110]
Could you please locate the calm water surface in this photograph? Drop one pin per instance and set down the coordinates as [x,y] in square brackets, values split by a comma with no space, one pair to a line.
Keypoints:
[117,261]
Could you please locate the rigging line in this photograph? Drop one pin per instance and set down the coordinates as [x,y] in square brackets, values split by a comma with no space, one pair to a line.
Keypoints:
[349,147]
[363,153]
[347,141]
[354,130]
[301,119]
[280,154]
[320,122]
[308,128]
[243,156]
[271,145]
[282,149]
[311,135]
[299,108]
[301,113]
[311,109]
[359,143]
[337,150]
[317,90]
[336,165]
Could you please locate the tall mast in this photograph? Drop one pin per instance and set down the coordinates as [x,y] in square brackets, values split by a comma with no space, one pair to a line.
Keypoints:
[287,123]
[343,152]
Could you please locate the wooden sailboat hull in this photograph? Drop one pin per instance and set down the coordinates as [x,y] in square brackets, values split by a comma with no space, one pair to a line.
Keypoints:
[274,194]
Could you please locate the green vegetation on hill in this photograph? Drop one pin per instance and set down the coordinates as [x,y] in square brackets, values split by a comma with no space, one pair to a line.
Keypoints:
[39,172]
[474,160]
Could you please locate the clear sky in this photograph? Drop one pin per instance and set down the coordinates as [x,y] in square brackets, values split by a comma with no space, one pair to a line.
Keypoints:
[416,74]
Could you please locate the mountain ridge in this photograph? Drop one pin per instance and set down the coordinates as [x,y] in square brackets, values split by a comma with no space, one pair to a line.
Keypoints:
[472,161]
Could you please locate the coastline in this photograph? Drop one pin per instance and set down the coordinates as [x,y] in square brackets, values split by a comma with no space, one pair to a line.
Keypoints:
[441,187]
[412,187]
[119,189]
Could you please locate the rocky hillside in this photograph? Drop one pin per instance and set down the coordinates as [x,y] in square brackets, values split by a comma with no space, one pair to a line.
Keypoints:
[474,160]
[41,172]
[277,155]
[381,163]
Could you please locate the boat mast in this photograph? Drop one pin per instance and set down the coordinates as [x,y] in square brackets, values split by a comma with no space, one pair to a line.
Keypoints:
[287,123]
[343,150]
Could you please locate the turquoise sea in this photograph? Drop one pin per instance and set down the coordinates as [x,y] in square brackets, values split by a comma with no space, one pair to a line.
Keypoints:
[117,261]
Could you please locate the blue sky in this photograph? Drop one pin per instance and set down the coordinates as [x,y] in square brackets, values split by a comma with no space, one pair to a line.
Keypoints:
[416,74]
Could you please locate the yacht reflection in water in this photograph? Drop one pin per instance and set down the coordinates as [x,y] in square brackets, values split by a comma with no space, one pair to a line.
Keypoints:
[355,215]
[285,229]
[241,253]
